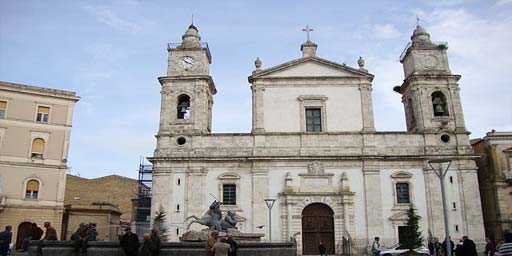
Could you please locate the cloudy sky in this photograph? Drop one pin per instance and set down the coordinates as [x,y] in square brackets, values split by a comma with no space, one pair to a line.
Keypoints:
[111,52]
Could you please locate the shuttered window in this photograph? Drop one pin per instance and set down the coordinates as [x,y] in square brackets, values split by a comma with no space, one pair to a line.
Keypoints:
[313,120]
[32,189]
[3,108]
[402,193]
[38,148]
[42,114]
[229,194]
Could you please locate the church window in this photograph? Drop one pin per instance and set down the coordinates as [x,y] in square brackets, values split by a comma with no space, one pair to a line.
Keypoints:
[451,179]
[178,207]
[313,120]
[439,104]
[454,206]
[402,193]
[42,114]
[179,182]
[37,148]
[3,109]
[229,194]
[32,189]
[456,228]
[410,107]
[183,107]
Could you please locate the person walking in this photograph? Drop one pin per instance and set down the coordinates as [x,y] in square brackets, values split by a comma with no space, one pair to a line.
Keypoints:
[506,247]
[129,242]
[490,248]
[212,239]
[221,248]
[321,249]
[233,245]
[468,247]
[376,246]
[5,240]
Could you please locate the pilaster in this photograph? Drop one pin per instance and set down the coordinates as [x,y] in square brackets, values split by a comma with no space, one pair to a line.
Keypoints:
[367,106]
[259,194]
[373,199]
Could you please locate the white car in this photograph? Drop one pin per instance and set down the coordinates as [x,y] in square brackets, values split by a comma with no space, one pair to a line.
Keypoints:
[397,249]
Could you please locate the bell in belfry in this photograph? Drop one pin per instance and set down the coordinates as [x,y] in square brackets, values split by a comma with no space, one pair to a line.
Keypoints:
[438,107]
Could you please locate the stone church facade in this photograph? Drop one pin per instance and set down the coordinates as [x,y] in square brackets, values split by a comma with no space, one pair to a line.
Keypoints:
[313,147]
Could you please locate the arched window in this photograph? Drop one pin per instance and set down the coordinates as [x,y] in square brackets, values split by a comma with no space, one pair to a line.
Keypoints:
[439,104]
[32,189]
[183,106]
[38,148]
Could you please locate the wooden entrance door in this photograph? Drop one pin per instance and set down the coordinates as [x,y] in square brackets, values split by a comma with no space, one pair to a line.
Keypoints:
[23,232]
[317,226]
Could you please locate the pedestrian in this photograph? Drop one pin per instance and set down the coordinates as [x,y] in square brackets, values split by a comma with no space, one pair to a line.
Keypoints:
[212,239]
[5,240]
[438,247]
[148,246]
[431,247]
[458,248]
[221,248]
[506,248]
[129,242]
[490,248]
[155,238]
[452,246]
[321,249]
[376,246]
[468,247]
[233,245]
[35,233]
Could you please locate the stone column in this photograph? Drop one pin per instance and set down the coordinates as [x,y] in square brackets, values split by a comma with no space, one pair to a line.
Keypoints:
[474,224]
[373,199]
[259,193]
[165,108]
[367,106]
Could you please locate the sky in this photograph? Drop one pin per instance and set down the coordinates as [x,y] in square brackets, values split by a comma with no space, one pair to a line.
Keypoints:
[111,52]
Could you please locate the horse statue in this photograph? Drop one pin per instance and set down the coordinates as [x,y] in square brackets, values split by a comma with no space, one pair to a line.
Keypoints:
[212,218]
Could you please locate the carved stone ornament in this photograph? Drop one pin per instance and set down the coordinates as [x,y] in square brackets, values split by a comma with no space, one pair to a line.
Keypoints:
[316,168]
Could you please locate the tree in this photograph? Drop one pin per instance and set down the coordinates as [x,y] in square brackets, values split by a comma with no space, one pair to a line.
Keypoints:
[412,238]
[159,223]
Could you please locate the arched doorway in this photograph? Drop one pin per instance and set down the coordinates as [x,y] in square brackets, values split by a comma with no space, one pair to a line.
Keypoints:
[23,232]
[317,226]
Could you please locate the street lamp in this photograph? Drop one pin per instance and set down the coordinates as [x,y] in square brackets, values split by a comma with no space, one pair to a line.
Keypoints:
[270,203]
[440,173]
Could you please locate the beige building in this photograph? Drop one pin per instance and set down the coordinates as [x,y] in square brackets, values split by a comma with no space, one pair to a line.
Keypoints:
[495,181]
[314,149]
[35,127]
[114,189]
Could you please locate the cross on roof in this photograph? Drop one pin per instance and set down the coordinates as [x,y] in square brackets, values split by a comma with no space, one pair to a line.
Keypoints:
[418,20]
[307,30]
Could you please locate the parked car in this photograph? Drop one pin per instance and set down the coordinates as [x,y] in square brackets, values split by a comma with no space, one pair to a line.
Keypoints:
[397,249]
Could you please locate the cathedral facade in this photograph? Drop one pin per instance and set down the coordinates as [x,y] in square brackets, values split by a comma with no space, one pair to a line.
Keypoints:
[314,149]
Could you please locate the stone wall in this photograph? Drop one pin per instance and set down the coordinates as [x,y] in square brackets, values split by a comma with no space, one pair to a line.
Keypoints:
[59,248]
[113,188]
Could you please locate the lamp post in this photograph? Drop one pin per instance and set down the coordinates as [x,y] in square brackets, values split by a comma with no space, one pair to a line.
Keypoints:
[270,203]
[440,173]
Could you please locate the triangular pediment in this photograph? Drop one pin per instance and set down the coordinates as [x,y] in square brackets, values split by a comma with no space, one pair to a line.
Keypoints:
[310,67]
[399,216]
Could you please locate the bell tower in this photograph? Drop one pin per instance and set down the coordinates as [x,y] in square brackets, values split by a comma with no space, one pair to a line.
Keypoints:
[187,90]
[430,92]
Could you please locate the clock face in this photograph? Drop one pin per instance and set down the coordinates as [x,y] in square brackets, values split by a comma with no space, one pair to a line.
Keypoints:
[186,62]
[429,61]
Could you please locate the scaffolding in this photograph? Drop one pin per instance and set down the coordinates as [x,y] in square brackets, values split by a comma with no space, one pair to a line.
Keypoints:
[142,204]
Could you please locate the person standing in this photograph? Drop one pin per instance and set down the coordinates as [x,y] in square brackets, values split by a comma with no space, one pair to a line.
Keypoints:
[437,246]
[5,240]
[322,249]
[490,248]
[376,246]
[147,248]
[129,242]
[468,247]
[452,246]
[212,239]
[156,241]
[431,248]
[506,247]
[233,245]
[221,248]
[35,234]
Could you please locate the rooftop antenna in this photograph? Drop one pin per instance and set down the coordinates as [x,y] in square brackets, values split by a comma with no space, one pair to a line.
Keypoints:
[418,20]
[192,19]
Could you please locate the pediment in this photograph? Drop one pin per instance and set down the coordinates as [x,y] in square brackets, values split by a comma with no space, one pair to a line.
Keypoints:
[399,216]
[310,67]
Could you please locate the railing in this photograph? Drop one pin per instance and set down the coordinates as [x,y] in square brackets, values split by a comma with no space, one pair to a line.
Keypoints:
[203,45]
[443,45]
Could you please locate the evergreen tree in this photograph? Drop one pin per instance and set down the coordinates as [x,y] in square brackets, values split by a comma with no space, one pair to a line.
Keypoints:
[412,238]
[159,223]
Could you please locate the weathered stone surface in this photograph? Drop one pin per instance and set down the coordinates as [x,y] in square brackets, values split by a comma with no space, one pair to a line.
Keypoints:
[65,248]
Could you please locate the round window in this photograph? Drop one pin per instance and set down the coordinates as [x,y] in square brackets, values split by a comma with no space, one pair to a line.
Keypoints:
[445,138]
[181,140]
